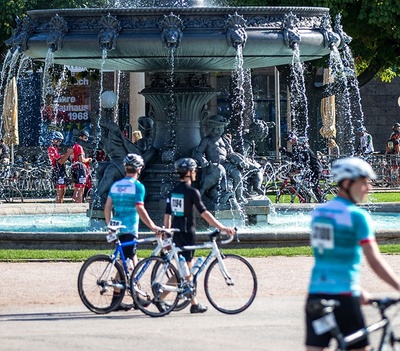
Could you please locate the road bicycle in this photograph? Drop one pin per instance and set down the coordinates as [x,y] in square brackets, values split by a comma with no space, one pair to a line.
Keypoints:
[274,173]
[8,192]
[230,282]
[298,189]
[327,323]
[101,274]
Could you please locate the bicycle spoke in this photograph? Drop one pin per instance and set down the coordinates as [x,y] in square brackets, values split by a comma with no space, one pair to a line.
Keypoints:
[97,281]
[154,286]
[233,295]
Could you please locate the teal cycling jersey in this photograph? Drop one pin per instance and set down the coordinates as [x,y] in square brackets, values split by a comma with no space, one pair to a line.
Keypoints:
[126,194]
[338,229]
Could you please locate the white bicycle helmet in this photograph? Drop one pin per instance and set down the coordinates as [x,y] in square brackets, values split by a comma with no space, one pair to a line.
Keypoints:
[133,160]
[351,168]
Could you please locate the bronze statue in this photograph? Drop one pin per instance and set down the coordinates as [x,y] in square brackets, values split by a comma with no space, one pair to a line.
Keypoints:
[219,161]
[116,146]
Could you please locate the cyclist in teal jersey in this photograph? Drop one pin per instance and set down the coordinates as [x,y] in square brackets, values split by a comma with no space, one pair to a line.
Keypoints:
[125,204]
[341,233]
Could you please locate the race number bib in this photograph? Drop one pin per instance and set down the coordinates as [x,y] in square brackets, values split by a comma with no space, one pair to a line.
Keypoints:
[322,236]
[324,324]
[177,205]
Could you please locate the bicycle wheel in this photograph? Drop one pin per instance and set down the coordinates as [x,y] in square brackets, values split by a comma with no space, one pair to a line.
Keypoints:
[12,194]
[182,303]
[233,294]
[97,279]
[154,286]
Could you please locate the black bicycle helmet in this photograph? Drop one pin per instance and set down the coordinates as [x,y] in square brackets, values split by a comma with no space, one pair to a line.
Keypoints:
[84,133]
[184,165]
[133,160]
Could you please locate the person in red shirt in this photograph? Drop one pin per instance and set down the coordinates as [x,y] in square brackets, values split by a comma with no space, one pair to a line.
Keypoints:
[80,168]
[59,174]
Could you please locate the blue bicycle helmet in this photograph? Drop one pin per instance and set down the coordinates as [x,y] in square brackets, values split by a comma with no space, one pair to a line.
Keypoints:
[58,136]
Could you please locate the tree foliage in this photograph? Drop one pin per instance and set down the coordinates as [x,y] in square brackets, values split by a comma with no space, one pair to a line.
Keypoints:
[10,9]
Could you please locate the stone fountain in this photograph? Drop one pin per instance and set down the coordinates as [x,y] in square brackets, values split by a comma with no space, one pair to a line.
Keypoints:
[178,45]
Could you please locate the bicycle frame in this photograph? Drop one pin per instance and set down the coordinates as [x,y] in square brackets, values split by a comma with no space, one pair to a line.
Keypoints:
[119,253]
[326,310]
[173,255]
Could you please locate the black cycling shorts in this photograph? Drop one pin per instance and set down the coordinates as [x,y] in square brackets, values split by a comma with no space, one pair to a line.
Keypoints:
[130,250]
[348,316]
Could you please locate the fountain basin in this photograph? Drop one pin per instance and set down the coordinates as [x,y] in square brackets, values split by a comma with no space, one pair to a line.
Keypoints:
[203,46]
[272,235]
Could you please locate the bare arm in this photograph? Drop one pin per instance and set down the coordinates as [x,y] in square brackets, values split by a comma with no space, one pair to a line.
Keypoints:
[379,265]
[211,220]
[144,216]
[107,210]
[65,157]
[84,159]
[167,221]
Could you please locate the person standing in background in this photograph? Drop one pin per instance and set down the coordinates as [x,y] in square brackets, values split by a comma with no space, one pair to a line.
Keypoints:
[365,146]
[136,135]
[59,174]
[333,148]
[80,168]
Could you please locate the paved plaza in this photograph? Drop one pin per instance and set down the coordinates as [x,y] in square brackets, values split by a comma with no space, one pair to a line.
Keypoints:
[40,310]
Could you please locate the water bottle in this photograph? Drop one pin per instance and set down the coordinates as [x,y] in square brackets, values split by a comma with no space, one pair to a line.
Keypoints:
[197,265]
[129,264]
[184,269]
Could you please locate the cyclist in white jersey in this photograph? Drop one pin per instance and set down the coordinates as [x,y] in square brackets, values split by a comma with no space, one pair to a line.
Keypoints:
[341,233]
[126,200]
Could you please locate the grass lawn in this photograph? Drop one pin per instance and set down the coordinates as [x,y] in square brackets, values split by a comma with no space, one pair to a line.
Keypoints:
[376,196]
[81,255]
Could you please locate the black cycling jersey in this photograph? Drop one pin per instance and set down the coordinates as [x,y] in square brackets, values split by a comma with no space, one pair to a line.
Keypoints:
[180,204]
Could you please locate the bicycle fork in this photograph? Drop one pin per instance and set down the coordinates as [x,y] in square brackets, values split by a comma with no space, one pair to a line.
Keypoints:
[229,281]
[105,277]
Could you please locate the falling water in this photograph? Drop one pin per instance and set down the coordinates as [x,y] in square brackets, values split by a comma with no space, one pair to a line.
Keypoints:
[352,83]
[24,63]
[57,92]
[345,135]
[298,97]
[238,108]
[98,128]
[117,89]
[238,99]
[251,113]
[171,104]
[47,94]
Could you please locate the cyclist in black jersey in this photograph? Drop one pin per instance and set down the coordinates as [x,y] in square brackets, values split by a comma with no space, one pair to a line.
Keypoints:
[179,213]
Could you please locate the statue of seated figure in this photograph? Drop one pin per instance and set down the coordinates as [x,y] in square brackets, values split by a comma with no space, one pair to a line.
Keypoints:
[219,162]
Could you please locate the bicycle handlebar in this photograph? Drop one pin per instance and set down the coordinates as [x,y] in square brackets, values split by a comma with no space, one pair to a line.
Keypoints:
[214,235]
[383,303]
